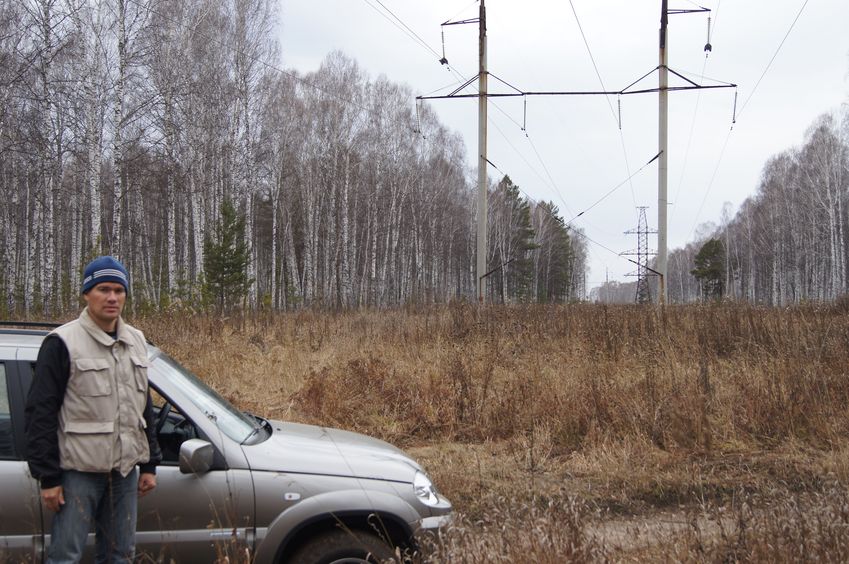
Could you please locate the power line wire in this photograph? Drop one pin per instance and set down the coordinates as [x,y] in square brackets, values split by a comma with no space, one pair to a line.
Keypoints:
[530,166]
[423,43]
[710,184]
[612,190]
[577,231]
[347,101]
[412,34]
[463,10]
[547,172]
[294,76]
[496,106]
[403,27]
[592,59]
[551,183]
[786,35]
[728,136]
[469,82]
[609,104]
[701,75]
[693,121]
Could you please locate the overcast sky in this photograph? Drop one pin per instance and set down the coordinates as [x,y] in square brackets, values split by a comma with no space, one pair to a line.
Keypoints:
[574,151]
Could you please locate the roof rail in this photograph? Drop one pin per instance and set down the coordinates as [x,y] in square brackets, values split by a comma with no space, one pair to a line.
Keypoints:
[30,324]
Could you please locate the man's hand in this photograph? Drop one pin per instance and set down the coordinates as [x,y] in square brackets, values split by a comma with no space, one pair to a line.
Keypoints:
[53,498]
[146,483]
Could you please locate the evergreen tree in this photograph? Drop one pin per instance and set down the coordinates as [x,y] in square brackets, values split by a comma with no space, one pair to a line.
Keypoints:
[512,240]
[225,260]
[556,260]
[710,269]
[522,244]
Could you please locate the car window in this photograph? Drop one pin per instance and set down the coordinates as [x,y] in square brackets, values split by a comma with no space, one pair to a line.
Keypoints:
[229,420]
[173,430]
[7,444]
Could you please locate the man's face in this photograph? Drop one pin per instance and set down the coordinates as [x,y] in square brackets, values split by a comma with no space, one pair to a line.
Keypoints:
[105,303]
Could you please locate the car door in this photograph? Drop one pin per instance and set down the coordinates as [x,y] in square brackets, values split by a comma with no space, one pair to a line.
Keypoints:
[195,517]
[20,501]
[187,518]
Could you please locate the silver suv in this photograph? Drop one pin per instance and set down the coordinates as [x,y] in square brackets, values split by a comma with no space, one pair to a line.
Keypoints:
[231,484]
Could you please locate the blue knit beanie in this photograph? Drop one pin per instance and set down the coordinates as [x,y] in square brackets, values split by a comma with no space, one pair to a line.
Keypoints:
[105,269]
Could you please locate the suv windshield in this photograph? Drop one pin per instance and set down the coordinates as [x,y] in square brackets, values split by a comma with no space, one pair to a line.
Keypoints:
[230,421]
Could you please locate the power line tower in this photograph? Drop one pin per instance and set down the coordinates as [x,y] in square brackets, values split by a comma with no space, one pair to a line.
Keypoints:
[643,294]
[662,90]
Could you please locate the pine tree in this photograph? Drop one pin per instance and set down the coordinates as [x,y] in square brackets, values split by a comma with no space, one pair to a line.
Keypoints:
[554,280]
[225,261]
[710,269]
[512,240]
[523,243]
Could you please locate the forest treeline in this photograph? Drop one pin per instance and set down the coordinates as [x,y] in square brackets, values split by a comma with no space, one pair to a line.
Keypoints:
[127,126]
[786,244]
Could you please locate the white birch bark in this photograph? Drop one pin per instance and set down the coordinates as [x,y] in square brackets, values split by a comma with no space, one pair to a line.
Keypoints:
[374,285]
[275,213]
[31,246]
[345,242]
[77,239]
[50,154]
[309,241]
[171,210]
[292,260]
[91,31]
[10,242]
[118,133]
[331,220]
[196,222]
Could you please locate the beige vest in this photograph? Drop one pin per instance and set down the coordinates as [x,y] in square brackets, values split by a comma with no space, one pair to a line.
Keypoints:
[101,422]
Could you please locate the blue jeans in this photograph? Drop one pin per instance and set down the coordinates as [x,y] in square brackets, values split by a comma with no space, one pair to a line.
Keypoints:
[106,500]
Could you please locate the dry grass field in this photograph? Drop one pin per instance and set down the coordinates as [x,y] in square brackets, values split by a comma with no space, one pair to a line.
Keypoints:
[578,433]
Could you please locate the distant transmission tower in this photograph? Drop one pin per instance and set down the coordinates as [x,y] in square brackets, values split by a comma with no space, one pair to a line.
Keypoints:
[643,294]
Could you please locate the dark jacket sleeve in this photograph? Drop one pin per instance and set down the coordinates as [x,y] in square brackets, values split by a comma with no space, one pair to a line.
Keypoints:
[52,371]
[152,440]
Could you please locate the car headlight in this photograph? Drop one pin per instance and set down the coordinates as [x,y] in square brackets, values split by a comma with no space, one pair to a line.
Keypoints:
[425,490]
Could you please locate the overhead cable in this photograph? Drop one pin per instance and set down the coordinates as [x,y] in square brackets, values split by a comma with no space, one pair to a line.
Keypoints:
[769,64]
[612,190]
[402,26]
[617,119]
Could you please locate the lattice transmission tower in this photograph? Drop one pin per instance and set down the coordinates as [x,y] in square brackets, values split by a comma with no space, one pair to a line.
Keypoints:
[643,272]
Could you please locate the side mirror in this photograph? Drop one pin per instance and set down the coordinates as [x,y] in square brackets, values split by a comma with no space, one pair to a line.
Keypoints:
[196,456]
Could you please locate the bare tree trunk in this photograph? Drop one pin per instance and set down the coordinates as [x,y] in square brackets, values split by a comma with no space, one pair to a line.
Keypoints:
[309,240]
[31,266]
[118,135]
[171,211]
[374,284]
[49,155]
[10,241]
[91,30]
[275,213]
[347,286]
[292,260]
[198,229]
[331,246]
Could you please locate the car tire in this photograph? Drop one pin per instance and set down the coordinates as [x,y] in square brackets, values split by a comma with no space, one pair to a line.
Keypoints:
[344,547]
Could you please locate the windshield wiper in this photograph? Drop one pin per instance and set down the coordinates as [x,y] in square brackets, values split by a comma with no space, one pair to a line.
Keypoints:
[260,424]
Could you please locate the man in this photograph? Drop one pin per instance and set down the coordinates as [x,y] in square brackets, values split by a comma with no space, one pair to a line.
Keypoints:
[90,423]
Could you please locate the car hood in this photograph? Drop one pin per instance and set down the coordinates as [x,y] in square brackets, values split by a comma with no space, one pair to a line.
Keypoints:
[309,449]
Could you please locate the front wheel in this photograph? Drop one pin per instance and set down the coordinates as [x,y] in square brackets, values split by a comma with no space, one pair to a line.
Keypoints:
[344,547]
